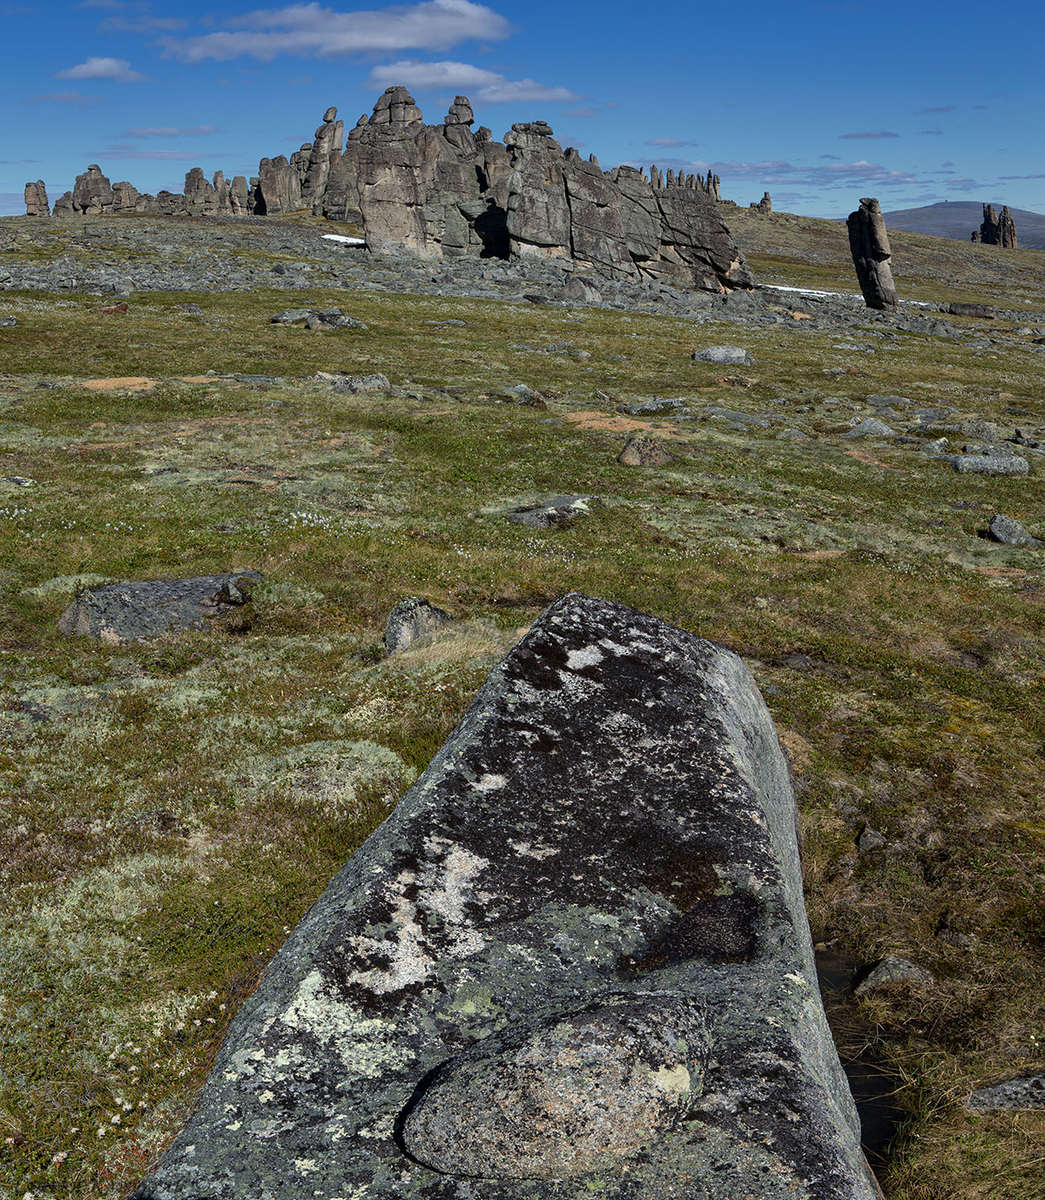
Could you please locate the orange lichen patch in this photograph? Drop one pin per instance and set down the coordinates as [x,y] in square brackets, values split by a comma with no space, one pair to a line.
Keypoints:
[876,462]
[798,315]
[124,383]
[203,379]
[603,423]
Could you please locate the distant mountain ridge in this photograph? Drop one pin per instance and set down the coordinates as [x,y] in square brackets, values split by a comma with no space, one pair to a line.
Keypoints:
[958,218]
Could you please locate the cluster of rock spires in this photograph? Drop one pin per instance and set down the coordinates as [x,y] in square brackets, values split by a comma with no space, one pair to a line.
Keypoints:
[995,230]
[765,205]
[447,190]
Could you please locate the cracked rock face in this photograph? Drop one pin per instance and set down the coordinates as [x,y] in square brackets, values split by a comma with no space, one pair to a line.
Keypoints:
[574,962]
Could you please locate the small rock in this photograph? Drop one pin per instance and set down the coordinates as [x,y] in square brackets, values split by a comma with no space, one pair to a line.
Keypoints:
[871,427]
[21,481]
[893,970]
[649,408]
[1008,532]
[191,310]
[980,430]
[411,620]
[989,464]
[644,450]
[579,290]
[958,309]
[1025,1092]
[136,611]
[525,396]
[362,383]
[555,512]
[936,446]
[723,355]
[8,322]
[880,401]
[793,435]
[870,839]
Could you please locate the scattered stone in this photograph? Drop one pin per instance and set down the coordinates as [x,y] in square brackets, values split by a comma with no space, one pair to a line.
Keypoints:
[870,839]
[190,310]
[554,513]
[8,322]
[984,431]
[644,450]
[651,408]
[411,620]
[577,951]
[317,319]
[20,481]
[1011,1094]
[356,384]
[984,311]
[869,243]
[578,290]
[989,464]
[871,427]
[723,355]
[1009,532]
[137,611]
[525,396]
[737,418]
[893,971]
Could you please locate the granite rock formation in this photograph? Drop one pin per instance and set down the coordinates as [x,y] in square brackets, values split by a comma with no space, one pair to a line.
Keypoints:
[997,230]
[574,961]
[448,190]
[765,205]
[869,243]
[36,204]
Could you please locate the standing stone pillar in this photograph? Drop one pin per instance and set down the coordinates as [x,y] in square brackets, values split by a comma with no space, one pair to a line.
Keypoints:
[869,243]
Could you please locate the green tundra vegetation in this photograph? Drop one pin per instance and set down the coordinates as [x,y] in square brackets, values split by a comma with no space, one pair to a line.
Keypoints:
[171,808]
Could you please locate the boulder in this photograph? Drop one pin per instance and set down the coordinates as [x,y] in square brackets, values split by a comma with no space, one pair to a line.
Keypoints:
[574,961]
[764,206]
[644,450]
[1008,532]
[869,245]
[355,384]
[411,620]
[36,200]
[724,355]
[1009,1095]
[893,971]
[556,512]
[138,610]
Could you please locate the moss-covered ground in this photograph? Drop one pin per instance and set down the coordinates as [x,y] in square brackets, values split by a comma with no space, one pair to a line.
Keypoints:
[171,809]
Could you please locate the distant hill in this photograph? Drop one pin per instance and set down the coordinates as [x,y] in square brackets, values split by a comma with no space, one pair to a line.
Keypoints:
[958,218]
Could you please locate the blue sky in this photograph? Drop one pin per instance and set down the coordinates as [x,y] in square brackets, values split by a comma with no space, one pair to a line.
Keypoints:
[818,101]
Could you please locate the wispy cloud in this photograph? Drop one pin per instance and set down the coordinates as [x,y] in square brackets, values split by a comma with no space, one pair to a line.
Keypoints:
[832,157]
[930,133]
[117,70]
[485,86]
[833,176]
[16,162]
[873,133]
[670,143]
[63,98]
[1040,175]
[580,112]
[168,131]
[311,31]
[122,150]
[143,25]
[940,108]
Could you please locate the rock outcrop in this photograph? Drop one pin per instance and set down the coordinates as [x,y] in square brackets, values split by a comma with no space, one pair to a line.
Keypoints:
[869,243]
[444,191]
[574,961]
[36,204]
[765,205]
[997,230]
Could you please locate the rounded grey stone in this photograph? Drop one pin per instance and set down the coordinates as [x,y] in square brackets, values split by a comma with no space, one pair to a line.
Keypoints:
[563,1098]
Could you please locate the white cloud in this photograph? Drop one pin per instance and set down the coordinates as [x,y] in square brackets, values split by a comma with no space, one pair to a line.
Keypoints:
[143,25]
[484,86]
[116,69]
[63,98]
[311,31]
[124,150]
[151,131]
[874,133]
[587,111]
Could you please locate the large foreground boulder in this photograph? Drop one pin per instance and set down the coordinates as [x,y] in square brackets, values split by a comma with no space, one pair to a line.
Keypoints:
[574,962]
